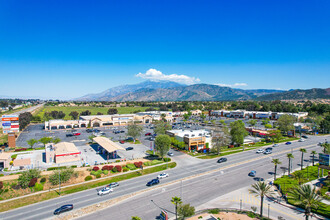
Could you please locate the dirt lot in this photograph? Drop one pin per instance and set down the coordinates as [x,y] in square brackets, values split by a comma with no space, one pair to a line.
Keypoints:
[222,216]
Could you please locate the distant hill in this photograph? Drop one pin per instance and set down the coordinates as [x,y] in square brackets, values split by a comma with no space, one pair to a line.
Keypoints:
[123,89]
[298,94]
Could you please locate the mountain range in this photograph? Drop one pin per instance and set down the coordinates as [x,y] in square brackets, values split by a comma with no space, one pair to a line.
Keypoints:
[171,91]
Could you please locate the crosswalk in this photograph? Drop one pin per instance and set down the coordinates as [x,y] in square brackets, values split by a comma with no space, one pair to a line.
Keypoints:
[246,199]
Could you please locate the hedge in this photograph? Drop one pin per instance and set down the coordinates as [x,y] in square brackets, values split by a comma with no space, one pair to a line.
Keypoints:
[56,168]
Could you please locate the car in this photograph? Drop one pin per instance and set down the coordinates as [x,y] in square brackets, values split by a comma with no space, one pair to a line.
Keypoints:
[96,130]
[129,148]
[301,140]
[275,145]
[153,182]
[105,190]
[89,130]
[147,134]
[170,154]
[114,184]
[151,139]
[269,148]
[122,131]
[222,159]
[129,139]
[267,152]
[162,175]
[122,141]
[76,134]
[116,132]
[287,143]
[320,144]
[304,136]
[260,151]
[63,208]
[253,173]
[69,135]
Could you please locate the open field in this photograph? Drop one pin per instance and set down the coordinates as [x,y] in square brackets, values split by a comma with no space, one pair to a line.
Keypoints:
[93,110]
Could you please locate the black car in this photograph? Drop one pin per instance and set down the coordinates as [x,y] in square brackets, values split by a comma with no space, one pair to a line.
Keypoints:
[269,148]
[69,135]
[129,148]
[63,208]
[153,182]
[89,130]
[122,131]
[222,159]
[304,136]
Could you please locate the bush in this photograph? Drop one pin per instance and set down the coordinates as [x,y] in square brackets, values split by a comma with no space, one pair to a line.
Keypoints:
[20,149]
[114,170]
[155,162]
[131,166]
[2,174]
[33,182]
[38,187]
[96,168]
[138,164]
[105,172]
[98,176]
[1,185]
[117,161]
[95,173]
[214,211]
[43,179]
[148,163]
[125,169]
[119,168]
[74,166]
[106,167]
[25,178]
[14,156]
[166,159]
[87,178]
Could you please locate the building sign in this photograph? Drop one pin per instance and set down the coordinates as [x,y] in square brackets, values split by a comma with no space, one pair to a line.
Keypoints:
[163,215]
[324,159]
[61,155]
[10,123]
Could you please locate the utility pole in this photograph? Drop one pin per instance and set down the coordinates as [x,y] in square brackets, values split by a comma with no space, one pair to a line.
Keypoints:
[59,179]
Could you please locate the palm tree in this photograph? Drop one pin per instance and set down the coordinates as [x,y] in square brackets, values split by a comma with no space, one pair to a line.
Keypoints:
[289,156]
[261,189]
[313,153]
[302,150]
[306,196]
[299,176]
[276,162]
[176,201]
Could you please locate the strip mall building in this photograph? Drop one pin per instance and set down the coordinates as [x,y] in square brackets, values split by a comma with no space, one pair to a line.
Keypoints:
[254,114]
[109,120]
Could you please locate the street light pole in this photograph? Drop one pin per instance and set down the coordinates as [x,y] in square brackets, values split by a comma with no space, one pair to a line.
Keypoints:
[240,205]
[59,179]
[268,210]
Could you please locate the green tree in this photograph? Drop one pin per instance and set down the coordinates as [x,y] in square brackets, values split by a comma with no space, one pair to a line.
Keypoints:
[252,122]
[134,131]
[220,139]
[285,123]
[161,127]
[238,132]
[135,218]
[299,176]
[261,189]
[313,156]
[302,150]
[63,174]
[290,157]
[307,197]
[32,142]
[268,126]
[74,115]
[326,148]
[163,143]
[45,140]
[112,111]
[185,211]
[56,140]
[276,135]
[276,162]
[26,176]
[202,116]
[176,201]
[186,116]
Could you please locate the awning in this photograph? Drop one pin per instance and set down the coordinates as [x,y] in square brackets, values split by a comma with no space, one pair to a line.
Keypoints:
[107,144]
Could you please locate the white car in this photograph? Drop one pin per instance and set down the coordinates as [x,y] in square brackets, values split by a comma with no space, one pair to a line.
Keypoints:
[275,145]
[162,175]
[260,151]
[104,191]
[301,140]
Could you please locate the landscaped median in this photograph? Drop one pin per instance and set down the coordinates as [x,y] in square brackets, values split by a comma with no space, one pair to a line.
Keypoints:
[42,196]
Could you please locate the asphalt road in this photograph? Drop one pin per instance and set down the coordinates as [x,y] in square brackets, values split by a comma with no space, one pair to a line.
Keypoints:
[196,191]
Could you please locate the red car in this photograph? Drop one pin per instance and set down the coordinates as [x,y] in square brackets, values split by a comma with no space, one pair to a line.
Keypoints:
[147,134]
[122,142]
[76,134]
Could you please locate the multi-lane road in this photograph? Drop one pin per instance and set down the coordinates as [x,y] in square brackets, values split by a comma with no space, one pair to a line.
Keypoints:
[197,187]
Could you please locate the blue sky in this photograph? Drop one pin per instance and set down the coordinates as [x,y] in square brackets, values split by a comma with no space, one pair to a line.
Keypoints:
[66,49]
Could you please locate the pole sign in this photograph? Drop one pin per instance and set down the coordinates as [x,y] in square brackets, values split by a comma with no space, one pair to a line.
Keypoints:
[324,159]
[163,215]
[10,123]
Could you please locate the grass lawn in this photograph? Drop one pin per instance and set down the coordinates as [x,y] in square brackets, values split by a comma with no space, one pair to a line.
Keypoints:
[93,110]
[87,185]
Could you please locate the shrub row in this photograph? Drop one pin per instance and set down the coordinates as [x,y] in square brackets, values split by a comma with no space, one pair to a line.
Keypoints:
[20,149]
[56,168]
[107,167]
